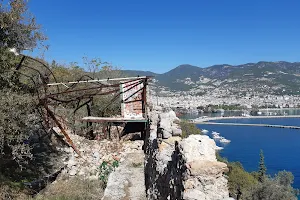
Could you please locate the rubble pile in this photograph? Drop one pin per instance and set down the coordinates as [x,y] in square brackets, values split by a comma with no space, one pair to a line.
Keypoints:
[93,153]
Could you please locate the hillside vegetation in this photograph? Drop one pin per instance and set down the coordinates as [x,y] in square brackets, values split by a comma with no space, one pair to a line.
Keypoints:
[258,185]
[272,77]
[28,153]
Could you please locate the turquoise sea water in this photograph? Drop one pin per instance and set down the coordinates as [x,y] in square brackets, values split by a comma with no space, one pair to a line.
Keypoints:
[281,146]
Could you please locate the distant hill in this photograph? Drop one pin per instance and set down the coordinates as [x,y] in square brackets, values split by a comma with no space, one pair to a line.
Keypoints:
[170,78]
[277,77]
[138,73]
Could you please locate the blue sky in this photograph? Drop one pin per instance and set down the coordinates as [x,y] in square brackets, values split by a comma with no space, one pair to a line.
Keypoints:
[160,35]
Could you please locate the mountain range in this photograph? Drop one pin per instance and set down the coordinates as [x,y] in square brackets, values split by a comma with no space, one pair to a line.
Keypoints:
[272,77]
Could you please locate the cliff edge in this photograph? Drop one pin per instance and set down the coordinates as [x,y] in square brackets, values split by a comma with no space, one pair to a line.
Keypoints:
[177,168]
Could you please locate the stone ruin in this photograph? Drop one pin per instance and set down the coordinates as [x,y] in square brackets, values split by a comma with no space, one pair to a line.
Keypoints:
[177,168]
[163,166]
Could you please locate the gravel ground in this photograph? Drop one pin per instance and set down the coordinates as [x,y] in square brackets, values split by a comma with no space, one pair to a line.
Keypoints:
[127,181]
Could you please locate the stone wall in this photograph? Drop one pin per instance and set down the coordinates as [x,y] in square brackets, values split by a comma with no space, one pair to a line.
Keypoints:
[178,168]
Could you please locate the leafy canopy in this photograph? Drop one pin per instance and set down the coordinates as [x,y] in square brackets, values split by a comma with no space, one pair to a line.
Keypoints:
[18,26]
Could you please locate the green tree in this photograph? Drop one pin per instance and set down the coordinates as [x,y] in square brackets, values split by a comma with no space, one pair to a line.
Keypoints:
[285,178]
[18,26]
[18,31]
[19,119]
[270,190]
[18,123]
[239,181]
[244,185]
[262,167]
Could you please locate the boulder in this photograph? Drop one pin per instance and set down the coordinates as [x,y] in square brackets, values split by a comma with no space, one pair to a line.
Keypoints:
[194,194]
[73,171]
[176,131]
[158,108]
[165,124]
[71,162]
[172,115]
[205,178]
[166,134]
[207,168]
[96,155]
[199,147]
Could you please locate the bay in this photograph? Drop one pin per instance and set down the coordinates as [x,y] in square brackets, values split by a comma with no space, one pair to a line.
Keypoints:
[281,146]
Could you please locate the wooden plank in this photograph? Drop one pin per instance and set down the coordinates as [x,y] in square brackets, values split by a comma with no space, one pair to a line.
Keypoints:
[100,80]
[112,119]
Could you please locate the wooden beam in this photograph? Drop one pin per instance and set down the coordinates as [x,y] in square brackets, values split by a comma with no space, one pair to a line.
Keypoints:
[100,80]
[112,119]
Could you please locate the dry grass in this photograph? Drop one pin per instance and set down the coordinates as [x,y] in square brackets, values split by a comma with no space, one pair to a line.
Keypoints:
[73,189]
[10,192]
[137,164]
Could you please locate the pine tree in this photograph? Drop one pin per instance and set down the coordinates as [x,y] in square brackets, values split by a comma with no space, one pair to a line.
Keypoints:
[262,167]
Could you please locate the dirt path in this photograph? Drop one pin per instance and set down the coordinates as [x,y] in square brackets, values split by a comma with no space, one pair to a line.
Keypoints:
[127,182]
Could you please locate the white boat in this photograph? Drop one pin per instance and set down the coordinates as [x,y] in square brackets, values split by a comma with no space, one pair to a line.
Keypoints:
[204,131]
[218,137]
[215,133]
[223,140]
[219,148]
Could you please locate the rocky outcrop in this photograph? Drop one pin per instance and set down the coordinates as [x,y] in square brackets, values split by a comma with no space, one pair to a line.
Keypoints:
[178,168]
[204,179]
[168,125]
[199,147]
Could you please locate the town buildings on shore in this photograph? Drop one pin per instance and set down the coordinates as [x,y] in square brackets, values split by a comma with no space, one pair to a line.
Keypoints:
[186,100]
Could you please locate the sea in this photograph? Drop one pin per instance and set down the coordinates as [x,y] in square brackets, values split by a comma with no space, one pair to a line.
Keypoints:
[281,146]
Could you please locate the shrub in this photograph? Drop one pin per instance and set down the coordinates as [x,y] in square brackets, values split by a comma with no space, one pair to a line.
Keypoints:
[105,169]
[247,186]
[271,190]
[18,123]
[220,158]
[239,181]
[188,129]
[11,190]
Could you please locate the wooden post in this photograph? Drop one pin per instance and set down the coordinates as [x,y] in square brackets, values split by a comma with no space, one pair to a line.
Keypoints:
[51,114]
[89,124]
[144,98]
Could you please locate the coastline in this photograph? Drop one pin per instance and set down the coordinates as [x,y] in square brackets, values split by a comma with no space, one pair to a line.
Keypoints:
[239,142]
[278,108]
[207,119]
